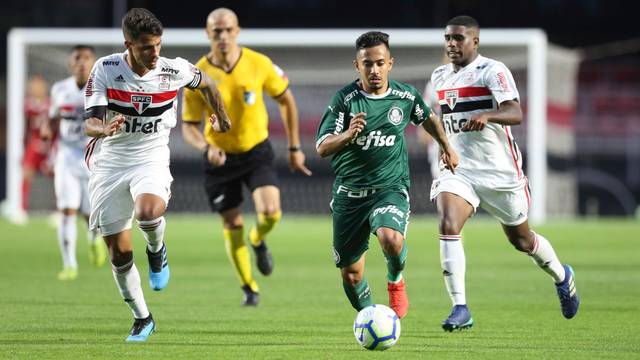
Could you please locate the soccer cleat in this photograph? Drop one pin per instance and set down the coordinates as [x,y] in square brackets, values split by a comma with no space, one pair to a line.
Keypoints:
[68,273]
[251,298]
[141,329]
[97,253]
[398,299]
[158,269]
[569,300]
[459,319]
[264,260]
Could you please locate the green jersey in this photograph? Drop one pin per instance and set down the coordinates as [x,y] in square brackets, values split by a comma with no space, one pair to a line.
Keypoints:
[378,157]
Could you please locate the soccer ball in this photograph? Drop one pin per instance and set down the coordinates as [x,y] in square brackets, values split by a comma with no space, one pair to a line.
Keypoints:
[377,327]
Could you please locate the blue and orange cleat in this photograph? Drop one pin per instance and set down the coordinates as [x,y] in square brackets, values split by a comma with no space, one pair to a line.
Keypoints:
[459,319]
[569,300]
[141,329]
[158,269]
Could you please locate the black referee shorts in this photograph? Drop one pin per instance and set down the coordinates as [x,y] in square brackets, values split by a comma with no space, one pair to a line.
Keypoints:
[254,168]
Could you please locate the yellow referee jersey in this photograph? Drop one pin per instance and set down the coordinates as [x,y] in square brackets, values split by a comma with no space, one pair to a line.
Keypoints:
[241,90]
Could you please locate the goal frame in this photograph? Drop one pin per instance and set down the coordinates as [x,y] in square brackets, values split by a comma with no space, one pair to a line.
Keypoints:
[534,40]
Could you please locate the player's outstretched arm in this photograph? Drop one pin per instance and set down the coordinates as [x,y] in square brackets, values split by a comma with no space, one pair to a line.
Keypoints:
[95,126]
[289,114]
[334,143]
[219,120]
[433,126]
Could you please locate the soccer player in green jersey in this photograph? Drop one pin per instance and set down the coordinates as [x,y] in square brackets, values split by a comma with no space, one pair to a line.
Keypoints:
[363,130]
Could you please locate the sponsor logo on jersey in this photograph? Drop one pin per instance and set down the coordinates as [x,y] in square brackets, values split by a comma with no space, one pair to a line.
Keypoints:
[419,112]
[249,97]
[395,115]
[119,78]
[141,102]
[164,82]
[350,96]
[339,123]
[169,70]
[502,81]
[391,209]
[451,97]
[375,138]
[336,256]
[88,91]
[132,125]
[356,194]
[403,94]
[110,63]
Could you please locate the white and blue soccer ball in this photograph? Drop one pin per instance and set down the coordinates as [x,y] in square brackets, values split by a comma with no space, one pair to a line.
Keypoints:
[377,327]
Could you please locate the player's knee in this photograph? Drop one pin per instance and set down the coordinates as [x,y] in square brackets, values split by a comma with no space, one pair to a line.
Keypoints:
[391,241]
[351,277]
[522,243]
[450,226]
[120,257]
[149,211]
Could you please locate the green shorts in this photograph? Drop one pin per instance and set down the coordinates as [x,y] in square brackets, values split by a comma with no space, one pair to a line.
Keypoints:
[358,213]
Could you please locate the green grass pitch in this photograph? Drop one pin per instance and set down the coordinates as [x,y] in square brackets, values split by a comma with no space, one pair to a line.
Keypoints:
[303,312]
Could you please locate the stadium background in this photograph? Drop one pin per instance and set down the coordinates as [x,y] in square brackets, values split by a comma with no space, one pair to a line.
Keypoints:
[606,120]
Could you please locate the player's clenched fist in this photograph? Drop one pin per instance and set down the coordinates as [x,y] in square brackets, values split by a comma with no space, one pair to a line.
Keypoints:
[113,126]
[356,125]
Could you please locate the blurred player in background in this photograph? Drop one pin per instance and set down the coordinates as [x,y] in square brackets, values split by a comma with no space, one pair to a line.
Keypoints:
[242,156]
[479,103]
[37,151]
[130,104]
[71,175]
[363,129]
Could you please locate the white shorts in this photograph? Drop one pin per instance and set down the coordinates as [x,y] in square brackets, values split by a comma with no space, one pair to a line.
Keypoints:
[510,205]
[70,183]
[112,194]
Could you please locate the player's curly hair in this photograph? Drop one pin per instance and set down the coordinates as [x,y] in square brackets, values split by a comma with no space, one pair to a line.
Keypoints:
[371,39]
[139,21]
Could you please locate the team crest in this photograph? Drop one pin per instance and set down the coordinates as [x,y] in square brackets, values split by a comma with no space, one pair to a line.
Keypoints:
[164,82]
[395,115]
[451,97]
[250,97]
[141,102]
[336,256]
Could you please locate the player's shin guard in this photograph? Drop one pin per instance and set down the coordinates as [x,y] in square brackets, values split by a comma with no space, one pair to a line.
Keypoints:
[263,226]
[128,280]
[67,238]
[359,295]
[395,264]
[545,257]
[453,264]
[238,254]
[153,231]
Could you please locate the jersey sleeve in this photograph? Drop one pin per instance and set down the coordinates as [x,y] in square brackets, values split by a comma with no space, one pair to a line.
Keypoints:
[499,81]
[95,93]
[193,106]
[54,105]
[420,110]
[189,75]
[276,81]
[333,120]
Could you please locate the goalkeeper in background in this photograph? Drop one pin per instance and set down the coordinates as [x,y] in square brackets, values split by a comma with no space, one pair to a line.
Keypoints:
[244,154]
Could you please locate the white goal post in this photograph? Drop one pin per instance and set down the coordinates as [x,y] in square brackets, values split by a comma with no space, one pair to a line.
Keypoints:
[533,40]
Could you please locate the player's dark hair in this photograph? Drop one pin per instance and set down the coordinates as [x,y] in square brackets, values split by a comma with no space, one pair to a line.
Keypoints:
[371,39]
[83,47]
[464,20]
[139,21]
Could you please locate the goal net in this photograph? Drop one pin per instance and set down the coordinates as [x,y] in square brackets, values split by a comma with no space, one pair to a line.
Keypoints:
[318,63]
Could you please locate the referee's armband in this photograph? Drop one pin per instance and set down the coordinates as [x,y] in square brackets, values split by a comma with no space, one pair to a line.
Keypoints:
[96,112]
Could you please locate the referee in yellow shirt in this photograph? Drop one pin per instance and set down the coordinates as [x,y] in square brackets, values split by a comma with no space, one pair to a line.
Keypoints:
[243,155]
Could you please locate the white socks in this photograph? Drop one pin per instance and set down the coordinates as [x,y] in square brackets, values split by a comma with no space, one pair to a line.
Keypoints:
[67,237]
[454,266]
[128,280]
[153,231]
[545,257]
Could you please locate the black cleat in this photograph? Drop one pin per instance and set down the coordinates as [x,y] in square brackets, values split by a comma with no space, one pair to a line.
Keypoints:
[264,260]
[251,298]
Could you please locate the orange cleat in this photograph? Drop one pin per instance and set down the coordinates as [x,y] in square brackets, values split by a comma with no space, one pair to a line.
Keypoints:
[398,299]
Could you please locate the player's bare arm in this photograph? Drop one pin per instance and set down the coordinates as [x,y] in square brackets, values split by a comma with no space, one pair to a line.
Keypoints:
[334,143]
[193,136]
[433,126]
[219,120]
[289,114]
[508,113]
[95,126]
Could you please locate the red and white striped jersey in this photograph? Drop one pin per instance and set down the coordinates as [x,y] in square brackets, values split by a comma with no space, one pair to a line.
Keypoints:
[489,157]
[148,103]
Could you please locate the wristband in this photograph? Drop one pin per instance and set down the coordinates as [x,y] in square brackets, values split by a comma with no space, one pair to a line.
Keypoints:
[294,148]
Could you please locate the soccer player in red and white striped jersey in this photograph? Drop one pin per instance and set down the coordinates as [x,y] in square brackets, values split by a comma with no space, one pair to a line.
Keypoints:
[130,103]
[479,103]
